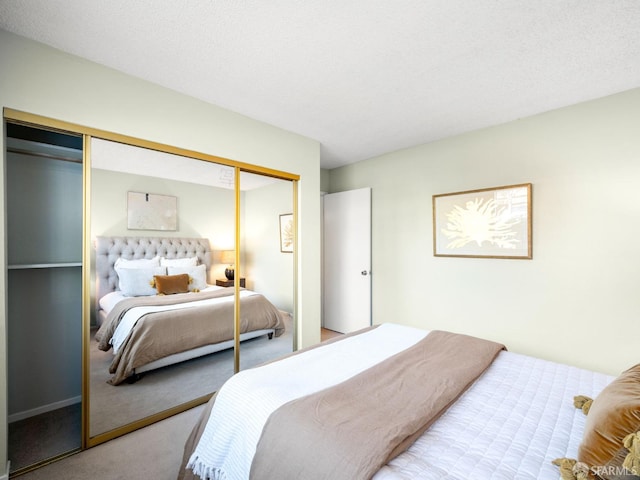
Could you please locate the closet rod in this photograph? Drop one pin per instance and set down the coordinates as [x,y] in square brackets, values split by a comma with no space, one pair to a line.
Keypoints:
[44,155]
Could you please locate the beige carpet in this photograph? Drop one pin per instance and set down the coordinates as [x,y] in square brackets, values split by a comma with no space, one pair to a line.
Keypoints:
[44,436]
[114,406]
[154,452]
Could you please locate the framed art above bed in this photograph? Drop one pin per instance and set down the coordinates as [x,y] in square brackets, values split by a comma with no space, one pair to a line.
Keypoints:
[151,211]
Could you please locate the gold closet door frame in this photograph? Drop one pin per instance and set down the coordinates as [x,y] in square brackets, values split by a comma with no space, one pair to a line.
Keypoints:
[42,122]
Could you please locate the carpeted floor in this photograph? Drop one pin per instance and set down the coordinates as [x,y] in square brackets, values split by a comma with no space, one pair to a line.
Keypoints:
[159,390]
[154,452]
[44,436]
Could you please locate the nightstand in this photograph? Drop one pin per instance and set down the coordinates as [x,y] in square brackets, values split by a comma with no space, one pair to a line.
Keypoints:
[223,282]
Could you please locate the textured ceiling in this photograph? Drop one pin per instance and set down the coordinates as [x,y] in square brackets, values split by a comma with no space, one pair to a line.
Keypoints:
[363,77]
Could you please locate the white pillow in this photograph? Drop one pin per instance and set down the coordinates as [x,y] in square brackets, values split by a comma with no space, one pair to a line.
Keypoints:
[137,263]
[197,274]
[110,300]
[136,282]
[179,262]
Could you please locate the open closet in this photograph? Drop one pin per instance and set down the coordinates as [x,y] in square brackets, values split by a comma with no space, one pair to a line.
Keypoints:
[44,176]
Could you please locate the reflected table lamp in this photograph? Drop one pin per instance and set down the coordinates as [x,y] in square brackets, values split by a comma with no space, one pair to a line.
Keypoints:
[229,257]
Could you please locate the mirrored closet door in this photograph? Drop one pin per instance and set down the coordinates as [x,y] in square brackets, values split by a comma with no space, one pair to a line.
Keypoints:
[177,213]
[44,185]
[267,261]
[148,205]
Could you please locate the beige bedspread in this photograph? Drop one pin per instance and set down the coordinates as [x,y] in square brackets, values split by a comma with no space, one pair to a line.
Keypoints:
[157,335]
[351,430]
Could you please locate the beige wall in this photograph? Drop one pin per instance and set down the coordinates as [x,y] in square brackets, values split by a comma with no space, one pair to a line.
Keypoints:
[44,81]
[203,211]
[325,179]
[268,270]
[577,301]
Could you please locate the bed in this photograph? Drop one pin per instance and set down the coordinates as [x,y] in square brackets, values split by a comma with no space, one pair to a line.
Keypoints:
[156,307]
[395,402]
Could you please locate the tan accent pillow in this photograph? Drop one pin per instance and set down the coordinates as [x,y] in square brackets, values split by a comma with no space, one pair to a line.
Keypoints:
[170,284]
[614,414]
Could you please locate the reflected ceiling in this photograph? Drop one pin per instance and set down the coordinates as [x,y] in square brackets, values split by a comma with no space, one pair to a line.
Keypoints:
[107,155]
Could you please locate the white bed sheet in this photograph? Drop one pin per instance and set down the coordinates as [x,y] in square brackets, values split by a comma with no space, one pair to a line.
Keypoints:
[112,298]
[516,419]
[132,315]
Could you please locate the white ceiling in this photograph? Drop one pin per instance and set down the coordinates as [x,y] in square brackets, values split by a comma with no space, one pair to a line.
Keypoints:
[119,157]
[363,77]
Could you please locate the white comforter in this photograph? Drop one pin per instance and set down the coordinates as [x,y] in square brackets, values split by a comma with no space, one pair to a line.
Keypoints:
[516,419]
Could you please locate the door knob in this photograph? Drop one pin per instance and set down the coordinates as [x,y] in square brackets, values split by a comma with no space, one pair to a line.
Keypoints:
[364,272]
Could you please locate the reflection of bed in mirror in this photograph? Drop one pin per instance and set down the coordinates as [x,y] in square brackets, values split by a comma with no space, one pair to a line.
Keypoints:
[156,308]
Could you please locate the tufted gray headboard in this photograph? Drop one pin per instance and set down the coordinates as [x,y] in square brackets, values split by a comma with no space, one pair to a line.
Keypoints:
[109,249]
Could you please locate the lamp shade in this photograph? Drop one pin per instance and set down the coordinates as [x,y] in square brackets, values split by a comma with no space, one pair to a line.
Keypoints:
[228,257]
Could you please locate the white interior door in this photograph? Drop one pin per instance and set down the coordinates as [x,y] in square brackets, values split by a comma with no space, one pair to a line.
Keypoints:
[347,260]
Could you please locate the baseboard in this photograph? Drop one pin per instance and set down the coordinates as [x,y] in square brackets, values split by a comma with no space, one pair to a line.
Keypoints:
[14,417]
[5,475]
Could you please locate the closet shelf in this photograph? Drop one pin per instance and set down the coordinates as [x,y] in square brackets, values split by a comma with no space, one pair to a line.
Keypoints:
[44,265]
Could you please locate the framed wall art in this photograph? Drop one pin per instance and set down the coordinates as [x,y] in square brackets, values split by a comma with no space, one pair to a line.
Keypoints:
[286,232]
[486,223]
[151,211]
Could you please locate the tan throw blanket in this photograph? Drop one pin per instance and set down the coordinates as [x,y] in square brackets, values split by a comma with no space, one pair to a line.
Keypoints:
[351,430]
[196,432]
[159,334]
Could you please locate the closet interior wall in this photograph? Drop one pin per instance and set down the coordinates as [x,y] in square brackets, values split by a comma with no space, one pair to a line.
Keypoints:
[44,181]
